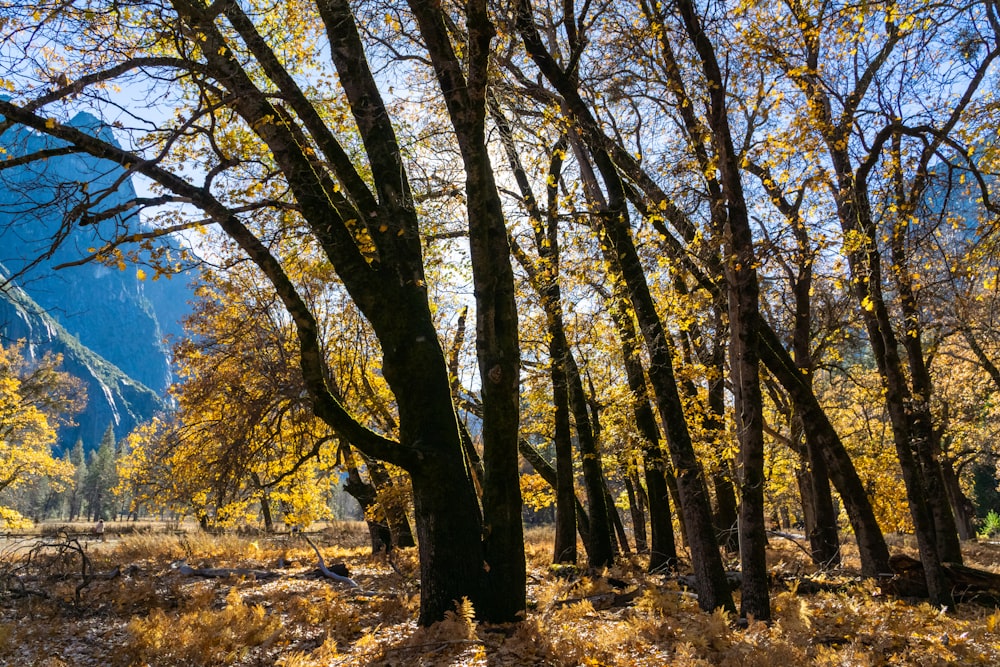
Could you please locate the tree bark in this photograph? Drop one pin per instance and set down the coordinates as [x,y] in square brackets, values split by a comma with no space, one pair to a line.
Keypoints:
[636,510]
[463,85]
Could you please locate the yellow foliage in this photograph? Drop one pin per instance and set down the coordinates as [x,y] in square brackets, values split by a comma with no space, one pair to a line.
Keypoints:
[34,397]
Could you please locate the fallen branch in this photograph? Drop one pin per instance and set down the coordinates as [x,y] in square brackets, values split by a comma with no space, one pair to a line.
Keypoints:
[603,601]
[222,572]
[325,570]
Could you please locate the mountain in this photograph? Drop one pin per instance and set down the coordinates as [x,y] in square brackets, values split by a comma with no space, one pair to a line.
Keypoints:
[112,396]
[107,321]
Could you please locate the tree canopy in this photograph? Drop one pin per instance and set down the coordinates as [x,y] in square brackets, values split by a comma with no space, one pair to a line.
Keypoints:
[726,244]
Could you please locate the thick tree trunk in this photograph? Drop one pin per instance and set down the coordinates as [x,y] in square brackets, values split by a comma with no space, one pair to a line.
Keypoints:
[744,322]
[451,551]
[662,546]
[463,81]
[265,511]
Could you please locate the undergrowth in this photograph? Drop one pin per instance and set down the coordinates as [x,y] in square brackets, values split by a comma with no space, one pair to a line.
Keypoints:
[155,616]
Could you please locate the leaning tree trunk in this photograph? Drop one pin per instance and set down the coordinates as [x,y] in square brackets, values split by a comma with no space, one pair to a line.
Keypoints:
[873,551]
[662,547]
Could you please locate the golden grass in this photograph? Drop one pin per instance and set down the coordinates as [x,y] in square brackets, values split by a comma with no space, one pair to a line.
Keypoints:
[155,616]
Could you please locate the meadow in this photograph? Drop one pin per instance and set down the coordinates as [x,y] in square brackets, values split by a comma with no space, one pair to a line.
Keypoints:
[131,605]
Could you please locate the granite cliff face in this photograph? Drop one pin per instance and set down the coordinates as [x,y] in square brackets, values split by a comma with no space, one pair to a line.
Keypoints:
[109,325]
[112,396]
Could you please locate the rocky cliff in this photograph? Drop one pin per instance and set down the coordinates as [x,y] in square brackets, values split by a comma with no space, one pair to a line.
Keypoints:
[112,396]
[108,322]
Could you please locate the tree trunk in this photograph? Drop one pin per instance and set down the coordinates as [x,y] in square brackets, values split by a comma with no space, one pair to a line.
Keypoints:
[817,503]
[548,473]
[367,497]
[964,512]
[396,521]
[451,552]
[616,241]
[265,511]
[636,511]
[662,547]
[565,539]
[726,516]
[866,262]
[744,322]
[615,518]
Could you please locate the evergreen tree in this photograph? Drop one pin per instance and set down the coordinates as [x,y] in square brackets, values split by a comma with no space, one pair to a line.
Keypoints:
[101,477]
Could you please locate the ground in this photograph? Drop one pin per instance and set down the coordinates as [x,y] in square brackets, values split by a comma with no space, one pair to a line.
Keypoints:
[149,613]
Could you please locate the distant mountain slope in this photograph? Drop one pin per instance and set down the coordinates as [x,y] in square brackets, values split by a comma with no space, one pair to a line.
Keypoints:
[109,323]
[113,312]
[112,396]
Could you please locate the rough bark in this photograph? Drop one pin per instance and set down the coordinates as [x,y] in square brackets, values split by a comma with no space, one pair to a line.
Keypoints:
[744,322]
[463,84]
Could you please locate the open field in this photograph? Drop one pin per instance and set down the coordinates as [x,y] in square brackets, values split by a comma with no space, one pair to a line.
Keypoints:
[149,613]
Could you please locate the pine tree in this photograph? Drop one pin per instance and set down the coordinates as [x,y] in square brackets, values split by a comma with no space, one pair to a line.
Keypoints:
[101,477]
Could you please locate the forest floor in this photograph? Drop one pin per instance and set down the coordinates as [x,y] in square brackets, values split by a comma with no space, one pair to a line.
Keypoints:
[149,613]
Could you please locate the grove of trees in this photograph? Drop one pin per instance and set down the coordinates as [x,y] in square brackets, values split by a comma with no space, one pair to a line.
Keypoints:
[736,260]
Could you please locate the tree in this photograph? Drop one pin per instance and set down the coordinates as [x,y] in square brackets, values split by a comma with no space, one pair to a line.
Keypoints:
[271,133]
[74,489]
[34,399]
[878,150]
[102,478]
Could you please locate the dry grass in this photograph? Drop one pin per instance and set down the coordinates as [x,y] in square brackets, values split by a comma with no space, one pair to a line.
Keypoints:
[155,616]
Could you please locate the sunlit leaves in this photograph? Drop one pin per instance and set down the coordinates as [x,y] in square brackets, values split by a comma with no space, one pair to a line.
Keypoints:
[34,398]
